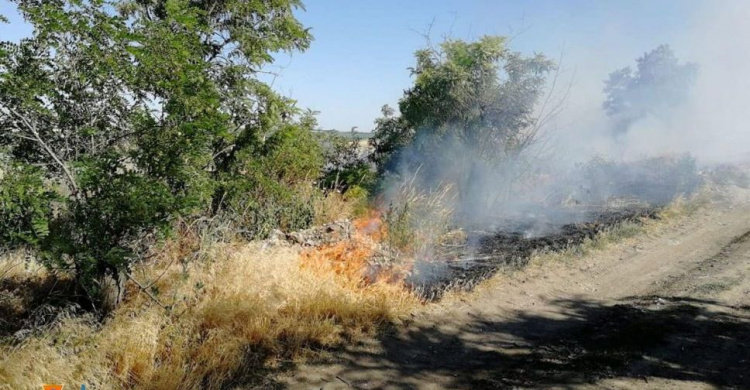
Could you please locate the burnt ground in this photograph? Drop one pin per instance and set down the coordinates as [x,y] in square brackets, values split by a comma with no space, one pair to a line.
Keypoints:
[667,310]
[511,247]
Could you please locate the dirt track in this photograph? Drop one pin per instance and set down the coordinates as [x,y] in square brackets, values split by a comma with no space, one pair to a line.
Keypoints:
[670,309]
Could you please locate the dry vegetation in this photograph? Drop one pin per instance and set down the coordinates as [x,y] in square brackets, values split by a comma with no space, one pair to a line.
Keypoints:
[230,312]
[235,311]
[621,232]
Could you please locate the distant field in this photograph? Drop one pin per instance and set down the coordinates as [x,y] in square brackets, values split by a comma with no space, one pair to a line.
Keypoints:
[347,134]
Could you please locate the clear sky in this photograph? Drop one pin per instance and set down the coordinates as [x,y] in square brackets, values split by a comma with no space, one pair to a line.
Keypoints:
[362,49]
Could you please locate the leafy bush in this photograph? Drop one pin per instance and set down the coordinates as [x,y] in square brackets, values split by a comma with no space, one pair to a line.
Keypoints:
[346,164]
[270,186]
[657,180]
[25,207]
[470,112]
[120,117]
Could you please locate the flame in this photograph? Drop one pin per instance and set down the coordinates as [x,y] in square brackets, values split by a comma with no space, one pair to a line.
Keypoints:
[351,258]
[345,258]
[371,225]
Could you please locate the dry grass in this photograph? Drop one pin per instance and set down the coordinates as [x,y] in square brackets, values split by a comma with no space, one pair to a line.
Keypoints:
[417,220]
[16,265]
[243,309]
[330,207]
[234,311]
[334,206]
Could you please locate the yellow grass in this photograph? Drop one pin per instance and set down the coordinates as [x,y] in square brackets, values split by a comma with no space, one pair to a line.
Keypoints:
[14,265]
[244,309]
[232,313]
[331,207]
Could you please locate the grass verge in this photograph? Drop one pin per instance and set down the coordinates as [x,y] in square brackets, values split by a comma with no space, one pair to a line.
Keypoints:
[231,314]
[242,310]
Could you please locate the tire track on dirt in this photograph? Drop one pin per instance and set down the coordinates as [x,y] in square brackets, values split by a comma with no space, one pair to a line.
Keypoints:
[716,276]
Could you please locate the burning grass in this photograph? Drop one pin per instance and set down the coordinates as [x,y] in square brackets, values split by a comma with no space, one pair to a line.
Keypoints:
[430,259]
[355,260]
[239,311]
[231,312]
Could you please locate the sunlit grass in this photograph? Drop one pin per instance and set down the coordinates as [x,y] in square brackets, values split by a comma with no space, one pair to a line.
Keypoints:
[242,309]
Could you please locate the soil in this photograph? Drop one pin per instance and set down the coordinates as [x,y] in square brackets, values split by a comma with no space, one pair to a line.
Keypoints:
[664,310]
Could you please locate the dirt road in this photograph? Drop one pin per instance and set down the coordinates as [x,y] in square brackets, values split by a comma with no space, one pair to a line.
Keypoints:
[670,309]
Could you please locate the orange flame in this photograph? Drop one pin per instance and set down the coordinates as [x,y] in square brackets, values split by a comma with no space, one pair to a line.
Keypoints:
[371,225]
[350,258]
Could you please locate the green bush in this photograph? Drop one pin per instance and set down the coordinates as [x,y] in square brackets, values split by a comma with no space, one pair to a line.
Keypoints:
[25,207]
[270,187]
[470,115]
[346,164]
[120,117]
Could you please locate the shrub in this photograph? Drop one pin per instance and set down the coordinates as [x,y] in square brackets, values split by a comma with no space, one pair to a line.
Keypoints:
[469,117]
[25,207]
[657,180]
[270,185]
[119,118]
[346,164]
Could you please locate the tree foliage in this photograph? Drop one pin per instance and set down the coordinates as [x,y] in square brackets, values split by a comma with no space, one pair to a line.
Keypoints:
[346,163]
[471,108]
[119,117]
[659,83]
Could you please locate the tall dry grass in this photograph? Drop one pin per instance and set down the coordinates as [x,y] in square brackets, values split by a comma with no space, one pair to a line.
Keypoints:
[417,220]
[228,316]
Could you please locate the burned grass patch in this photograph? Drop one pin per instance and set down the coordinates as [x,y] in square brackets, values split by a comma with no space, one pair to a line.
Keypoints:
[511,247]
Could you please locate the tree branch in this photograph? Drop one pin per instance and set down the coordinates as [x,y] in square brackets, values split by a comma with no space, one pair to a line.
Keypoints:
[145,290]
[36,137]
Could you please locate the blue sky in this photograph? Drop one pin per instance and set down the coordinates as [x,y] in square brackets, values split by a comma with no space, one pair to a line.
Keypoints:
[362,49]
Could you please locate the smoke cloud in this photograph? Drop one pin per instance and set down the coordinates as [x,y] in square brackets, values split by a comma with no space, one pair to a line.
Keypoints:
[583,159]
[711,124]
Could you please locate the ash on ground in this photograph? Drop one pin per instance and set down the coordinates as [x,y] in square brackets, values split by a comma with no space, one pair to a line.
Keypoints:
[510,244]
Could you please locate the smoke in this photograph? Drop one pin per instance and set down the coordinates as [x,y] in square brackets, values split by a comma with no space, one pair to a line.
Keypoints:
[600,158]
[586,157]
[711,124]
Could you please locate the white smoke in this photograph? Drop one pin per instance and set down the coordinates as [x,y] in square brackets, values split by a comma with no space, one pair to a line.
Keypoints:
[713,125]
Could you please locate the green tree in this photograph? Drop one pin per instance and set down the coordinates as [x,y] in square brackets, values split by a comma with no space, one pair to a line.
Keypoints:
[346,163]
[659,83]
[470,112]
[119,117]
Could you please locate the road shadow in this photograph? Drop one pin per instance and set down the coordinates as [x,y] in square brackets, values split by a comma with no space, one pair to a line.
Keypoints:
[639,338]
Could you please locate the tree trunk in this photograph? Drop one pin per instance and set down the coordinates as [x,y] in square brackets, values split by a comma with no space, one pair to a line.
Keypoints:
[112,291]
